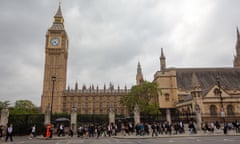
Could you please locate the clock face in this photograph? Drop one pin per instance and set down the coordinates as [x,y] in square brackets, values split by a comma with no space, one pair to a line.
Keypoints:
[55,41]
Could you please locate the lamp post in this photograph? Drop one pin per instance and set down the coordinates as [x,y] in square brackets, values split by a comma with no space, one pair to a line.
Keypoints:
[53,78]
[221,98]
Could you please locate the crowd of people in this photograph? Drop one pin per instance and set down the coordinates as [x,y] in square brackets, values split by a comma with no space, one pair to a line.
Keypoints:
[91,130]
[128,128]
[216,126]
[153,129]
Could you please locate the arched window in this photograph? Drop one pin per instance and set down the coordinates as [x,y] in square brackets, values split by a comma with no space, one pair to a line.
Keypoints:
[213,110]
[166,96]
[216,92]
[230,110]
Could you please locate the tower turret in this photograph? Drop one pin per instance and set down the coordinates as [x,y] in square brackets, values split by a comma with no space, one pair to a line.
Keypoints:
[197,100]
[76,86]
[139,76]
[196,87]
[162,61]
[236,62]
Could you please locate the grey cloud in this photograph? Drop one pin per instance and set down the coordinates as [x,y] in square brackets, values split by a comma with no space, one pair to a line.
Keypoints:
[108,38]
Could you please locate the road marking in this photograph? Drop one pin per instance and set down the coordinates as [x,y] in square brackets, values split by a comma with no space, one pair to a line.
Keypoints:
[171,141]
[227,140]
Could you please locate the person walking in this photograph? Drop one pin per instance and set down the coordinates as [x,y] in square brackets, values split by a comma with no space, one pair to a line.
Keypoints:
[154,129]
[48,131]
[9,133]
[33,132]
[61,130]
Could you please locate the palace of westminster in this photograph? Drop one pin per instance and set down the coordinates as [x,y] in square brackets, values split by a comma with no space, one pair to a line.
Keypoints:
[211,93]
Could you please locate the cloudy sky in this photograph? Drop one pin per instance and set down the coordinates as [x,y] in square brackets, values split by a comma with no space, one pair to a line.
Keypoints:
[109,37]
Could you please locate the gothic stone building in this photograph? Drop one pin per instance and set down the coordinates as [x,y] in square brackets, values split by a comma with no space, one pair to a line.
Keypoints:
[92,100]
[186,93]
[200,94]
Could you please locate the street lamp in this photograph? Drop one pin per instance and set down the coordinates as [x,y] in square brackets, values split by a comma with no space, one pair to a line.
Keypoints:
[53,78]
[221,98]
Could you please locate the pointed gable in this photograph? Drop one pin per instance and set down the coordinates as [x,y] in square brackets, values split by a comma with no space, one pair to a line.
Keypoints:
[211,93]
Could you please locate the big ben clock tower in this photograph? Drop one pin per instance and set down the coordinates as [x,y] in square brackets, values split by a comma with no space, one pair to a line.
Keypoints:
[55,72]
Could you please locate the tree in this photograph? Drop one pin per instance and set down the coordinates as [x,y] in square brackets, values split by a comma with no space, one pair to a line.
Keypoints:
[23,107]
[145,96]
[4,103]
[24,104]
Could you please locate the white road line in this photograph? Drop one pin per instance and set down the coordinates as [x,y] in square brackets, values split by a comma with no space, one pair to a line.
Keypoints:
[171,141]
[228,140]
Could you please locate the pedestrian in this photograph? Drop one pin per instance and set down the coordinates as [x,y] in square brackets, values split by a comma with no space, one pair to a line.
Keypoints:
[80,131]
[98,131]
[154,129]
[48,131]
[61,130]
[225,128]
[33,132]
[70,133]
[192,128]
[9,133]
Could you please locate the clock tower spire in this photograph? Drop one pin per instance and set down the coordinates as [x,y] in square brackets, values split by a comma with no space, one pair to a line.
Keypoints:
[56,55]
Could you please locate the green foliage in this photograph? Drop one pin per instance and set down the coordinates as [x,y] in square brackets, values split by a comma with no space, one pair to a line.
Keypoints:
[59,115]
[24,104]
[23,107]
[4,103]
[145,96]
[23,123]
[152,109]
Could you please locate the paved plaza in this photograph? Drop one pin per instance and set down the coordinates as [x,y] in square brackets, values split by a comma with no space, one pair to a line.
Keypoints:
[231,138]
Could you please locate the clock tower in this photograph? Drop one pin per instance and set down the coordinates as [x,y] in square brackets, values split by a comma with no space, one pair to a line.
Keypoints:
[55,72]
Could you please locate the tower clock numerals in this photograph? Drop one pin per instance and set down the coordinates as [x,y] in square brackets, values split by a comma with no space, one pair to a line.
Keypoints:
[54,41]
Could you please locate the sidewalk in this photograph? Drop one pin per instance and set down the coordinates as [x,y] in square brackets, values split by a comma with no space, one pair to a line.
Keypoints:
[119,136]
[55,137]
[187,134]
